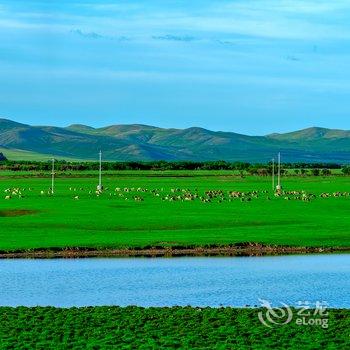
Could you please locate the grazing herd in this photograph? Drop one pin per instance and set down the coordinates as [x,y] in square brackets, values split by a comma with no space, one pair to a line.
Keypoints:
[180,194]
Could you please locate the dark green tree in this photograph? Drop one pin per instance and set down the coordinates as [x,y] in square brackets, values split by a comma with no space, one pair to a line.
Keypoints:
[2,157]
[326,172]
[346,170]
[315,172]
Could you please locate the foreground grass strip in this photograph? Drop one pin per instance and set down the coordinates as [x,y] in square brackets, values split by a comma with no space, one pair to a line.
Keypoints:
[150,328]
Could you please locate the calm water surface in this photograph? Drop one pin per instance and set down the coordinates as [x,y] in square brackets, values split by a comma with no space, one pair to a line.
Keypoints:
[192,281]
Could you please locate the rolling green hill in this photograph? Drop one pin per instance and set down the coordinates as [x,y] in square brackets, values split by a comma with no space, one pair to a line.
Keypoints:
[143,142]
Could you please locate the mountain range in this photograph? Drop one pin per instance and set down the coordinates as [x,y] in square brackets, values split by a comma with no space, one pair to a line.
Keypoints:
[138,142]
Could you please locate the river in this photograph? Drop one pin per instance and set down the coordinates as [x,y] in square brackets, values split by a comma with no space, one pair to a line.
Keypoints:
[195,281]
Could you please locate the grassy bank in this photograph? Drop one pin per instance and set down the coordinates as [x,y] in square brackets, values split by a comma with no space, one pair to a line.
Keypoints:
[77,218]
[154,328]
[226,250]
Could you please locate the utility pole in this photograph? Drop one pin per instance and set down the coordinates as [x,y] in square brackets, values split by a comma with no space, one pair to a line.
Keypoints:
[53,176]
[100,187]
[273,174]
[279,188]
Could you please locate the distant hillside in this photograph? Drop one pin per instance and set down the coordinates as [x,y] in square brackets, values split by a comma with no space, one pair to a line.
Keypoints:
[142,142]
[312,134]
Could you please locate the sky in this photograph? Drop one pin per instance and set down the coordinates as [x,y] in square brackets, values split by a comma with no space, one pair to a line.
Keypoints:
[247,66]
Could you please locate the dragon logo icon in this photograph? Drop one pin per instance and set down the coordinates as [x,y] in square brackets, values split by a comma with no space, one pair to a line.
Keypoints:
[275,316]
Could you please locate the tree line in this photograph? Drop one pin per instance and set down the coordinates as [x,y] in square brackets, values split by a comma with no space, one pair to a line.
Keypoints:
[303,169]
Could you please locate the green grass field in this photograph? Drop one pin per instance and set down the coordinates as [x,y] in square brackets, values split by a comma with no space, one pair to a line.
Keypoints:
[162,328]
[114,221]
[19,154]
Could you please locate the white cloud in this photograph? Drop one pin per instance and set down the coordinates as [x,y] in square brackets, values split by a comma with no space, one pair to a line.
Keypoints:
[16,24]
[285,19]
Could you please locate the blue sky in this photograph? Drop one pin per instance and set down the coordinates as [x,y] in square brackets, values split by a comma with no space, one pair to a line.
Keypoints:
[249,66]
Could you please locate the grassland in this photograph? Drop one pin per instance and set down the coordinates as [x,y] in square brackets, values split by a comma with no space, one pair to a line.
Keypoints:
[111,221]
[166,328]
[20,154]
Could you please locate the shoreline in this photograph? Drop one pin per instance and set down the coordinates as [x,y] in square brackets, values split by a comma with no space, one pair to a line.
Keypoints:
[239,250]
